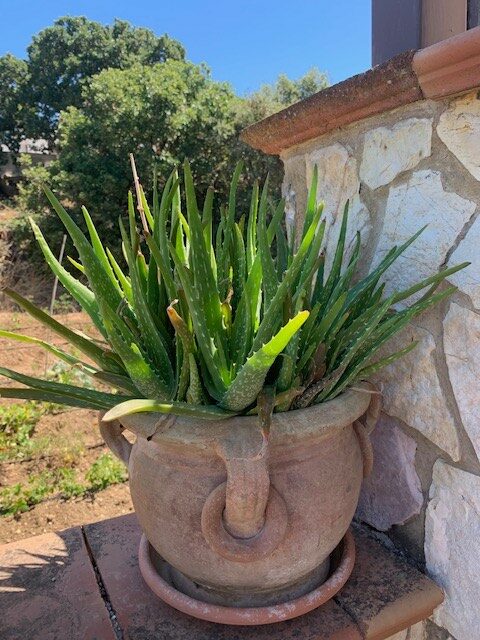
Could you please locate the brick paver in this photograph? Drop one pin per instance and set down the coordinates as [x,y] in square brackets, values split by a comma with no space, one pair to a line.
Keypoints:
[85,584]
[48,590]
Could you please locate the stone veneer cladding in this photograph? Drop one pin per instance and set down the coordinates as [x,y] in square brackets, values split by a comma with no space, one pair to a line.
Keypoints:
[419,164]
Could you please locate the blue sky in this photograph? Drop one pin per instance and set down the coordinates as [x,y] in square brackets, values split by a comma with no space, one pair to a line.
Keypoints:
[245,42]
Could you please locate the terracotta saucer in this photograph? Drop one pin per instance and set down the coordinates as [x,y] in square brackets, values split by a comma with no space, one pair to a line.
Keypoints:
[249,615]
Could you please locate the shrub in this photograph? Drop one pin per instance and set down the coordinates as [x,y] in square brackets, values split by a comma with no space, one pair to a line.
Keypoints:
[105,471]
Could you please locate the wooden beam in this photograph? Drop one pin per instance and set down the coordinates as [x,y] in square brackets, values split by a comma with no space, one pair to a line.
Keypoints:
[396,27]
[442,19]
[473,14]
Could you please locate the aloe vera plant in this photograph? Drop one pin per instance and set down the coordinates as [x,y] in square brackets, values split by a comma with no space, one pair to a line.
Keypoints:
[210,322]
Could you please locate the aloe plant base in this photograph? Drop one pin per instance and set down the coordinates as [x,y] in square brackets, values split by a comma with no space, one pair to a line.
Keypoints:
[252,521]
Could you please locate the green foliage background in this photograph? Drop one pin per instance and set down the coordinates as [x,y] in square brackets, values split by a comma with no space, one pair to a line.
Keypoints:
[98,92]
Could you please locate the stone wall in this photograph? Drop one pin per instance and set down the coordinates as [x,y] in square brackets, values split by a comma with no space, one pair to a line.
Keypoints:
[417,165]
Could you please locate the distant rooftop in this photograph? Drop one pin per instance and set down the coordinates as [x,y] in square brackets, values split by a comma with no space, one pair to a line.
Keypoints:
[29,146]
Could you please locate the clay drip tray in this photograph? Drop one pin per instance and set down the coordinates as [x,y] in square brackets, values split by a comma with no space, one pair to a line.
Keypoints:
[156,573]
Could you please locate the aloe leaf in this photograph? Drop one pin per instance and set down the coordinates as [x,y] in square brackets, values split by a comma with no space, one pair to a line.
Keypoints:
[130,407]
[183,373]
[121,277]
[356,344]
[203,277]
[360,372]
[162,206]
[343,282]
[87,346]
[21,393]
[270,320]
[207,221]
[319,280]
[79,291]
[269,273]
[367,372]
[249,380]
[239,267]
[58,353]
[287,373]
[77,265]
[99,279]
[318,335]
[152,339]
[373,278]
[219,241]
[202,333]
[163,263]
[241,333]
[313,258]
[336,267]
[400,319]
[137,363]
[224,253]
[251,296]
[119,382]
[247,316]
[153,289]
[311,202]
[99,397]
[175,206]
[252,227]
[434,280]
[195,392]
[99,249]
[160,234]
[282,252]
[381,335]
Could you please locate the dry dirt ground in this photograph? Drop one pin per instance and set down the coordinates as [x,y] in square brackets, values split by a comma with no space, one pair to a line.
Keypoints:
[69,440]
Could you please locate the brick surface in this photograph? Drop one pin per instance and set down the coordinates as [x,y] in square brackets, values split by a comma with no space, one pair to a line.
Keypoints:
[48,590]
[384,593]
[143,616]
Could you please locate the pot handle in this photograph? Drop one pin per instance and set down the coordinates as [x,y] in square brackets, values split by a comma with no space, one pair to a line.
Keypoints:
[364,427]
[112,433]
[248,484]
[365,447]
[244,518]
[372,414]
[246,495]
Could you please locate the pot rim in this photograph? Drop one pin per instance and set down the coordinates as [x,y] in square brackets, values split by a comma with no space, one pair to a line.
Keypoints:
[287,427]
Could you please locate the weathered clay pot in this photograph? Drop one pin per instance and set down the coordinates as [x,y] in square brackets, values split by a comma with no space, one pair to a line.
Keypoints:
[240,521]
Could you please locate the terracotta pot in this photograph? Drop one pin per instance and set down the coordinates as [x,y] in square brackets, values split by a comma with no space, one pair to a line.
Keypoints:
[240,521]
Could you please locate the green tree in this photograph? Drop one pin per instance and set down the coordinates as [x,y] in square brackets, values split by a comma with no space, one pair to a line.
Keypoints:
[99,92]
[282,93]
[162,113]
[13,74]
[63,57]
[262,103]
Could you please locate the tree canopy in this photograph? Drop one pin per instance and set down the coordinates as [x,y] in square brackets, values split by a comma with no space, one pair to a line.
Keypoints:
[13,73]
[99,92]
[161,113]
[62,58]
